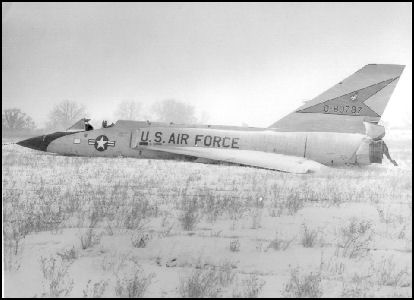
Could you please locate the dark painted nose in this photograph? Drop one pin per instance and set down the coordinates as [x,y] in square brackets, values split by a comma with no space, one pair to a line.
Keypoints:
[37,143]
[41,142]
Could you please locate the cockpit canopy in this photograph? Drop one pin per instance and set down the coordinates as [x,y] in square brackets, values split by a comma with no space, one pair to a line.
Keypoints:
[81,125]
[84,125]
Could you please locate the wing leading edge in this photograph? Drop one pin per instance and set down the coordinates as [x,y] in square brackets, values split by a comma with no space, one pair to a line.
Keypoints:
[266,160]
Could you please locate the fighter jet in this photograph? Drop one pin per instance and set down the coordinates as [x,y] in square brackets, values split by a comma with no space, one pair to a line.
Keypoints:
[338,127]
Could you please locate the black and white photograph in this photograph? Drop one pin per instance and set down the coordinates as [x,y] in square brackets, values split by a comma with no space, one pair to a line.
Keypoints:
[207,149]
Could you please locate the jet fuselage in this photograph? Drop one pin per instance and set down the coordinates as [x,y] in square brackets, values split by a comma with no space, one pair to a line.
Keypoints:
[133,139]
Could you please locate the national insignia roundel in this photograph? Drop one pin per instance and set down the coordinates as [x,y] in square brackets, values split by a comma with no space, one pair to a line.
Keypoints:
[101,143]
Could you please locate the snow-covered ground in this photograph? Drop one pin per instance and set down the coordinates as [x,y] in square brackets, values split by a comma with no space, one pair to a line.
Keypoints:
[79,227]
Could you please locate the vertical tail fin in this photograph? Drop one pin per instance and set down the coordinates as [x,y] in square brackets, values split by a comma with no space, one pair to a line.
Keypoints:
[362,97]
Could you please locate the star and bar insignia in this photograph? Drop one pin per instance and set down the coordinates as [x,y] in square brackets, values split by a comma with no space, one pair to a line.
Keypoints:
[101,143]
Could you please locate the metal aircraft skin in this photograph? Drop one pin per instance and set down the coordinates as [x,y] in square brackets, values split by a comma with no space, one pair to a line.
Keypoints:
[338,127]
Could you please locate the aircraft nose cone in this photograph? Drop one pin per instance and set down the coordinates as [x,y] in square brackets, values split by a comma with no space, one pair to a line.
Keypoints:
[37,143]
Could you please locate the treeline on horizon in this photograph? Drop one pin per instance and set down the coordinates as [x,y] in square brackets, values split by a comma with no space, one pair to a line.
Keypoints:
[16,122]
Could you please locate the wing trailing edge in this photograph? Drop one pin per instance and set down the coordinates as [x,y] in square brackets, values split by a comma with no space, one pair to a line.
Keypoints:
[265,160]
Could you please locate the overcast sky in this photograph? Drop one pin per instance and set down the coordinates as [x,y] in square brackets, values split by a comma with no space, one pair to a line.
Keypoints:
[250,63]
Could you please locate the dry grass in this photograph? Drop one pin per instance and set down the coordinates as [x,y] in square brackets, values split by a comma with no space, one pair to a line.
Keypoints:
[358,287]
[250,287]
[303,285]
[355,238]
[200,284]
[280,244]
[207,282]
[57,281]
[235,246]
[361,211]
[140,239]
[94,290]
[190,215]
[133,285]
[389,274]
[69,254]
[309,237]
[89,239]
